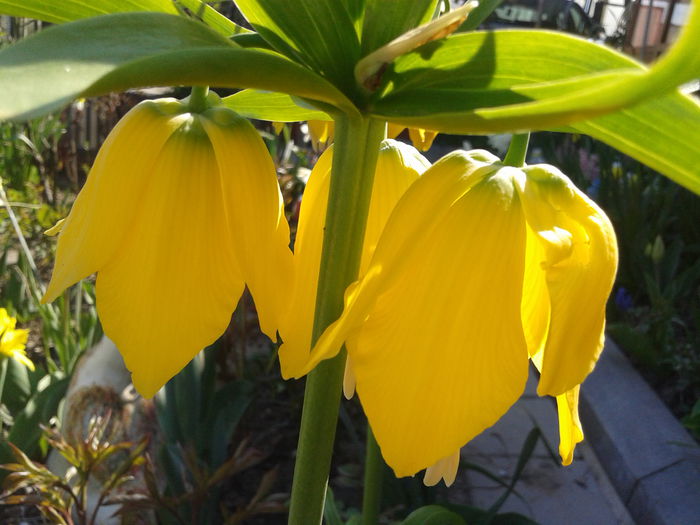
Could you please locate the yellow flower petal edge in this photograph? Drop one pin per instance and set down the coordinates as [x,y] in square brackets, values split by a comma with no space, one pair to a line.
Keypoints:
[321,133]
[13,341]
[422,138]
[579,263]
[570,430]
[398,166]
[444,469]
[174,231]
[471,277]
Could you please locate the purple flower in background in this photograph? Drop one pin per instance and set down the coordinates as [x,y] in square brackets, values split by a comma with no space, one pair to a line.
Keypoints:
[623,299]
[589,164]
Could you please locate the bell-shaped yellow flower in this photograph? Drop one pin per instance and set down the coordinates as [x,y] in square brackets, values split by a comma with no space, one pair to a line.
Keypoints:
[13,341]
[480,267]
[179,212]
[398,166]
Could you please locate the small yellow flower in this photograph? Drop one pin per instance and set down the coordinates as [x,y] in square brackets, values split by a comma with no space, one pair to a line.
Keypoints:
[12,341]
[479,268]
[179,212]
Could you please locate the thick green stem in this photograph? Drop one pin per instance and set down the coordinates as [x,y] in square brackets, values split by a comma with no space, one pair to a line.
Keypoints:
[354,161]
[374,470]
[198,98]
[517,151]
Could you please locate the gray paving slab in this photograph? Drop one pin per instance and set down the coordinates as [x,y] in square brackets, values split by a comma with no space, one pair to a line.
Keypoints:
[550,494]
[649,457]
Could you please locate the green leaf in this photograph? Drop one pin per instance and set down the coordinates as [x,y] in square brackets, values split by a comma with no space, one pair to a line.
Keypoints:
[481,13]
[433,515]
[520,80]
[278,107]
[43,405]
[385,21]
[663,133]
[213,18]
[67,10]
[116,52]
[331,514]
[318,33]
[18,385]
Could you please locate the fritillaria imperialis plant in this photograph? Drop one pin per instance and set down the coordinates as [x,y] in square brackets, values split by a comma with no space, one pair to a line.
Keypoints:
[469,268]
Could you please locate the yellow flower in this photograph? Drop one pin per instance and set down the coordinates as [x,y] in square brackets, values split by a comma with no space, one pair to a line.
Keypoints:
[398,166]
[179,212]
[12,342]
[422,138]
[479,268]
[322,132]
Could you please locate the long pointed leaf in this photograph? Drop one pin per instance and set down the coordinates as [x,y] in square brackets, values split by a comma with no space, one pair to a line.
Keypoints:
[384,21]
[213,18]
[319,33]
[67,10]
[115,52]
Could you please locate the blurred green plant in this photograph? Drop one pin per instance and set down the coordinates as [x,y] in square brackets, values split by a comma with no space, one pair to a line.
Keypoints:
[29,204]
[64,499]
[198,419]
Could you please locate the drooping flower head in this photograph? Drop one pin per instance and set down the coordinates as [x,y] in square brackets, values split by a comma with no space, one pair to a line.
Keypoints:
[179,212]
[13,341]
[480,267]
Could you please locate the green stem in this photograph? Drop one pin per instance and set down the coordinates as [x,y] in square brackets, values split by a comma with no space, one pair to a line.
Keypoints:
[198,98]
[3,373]
[374,470]
[355,156]
[517,150]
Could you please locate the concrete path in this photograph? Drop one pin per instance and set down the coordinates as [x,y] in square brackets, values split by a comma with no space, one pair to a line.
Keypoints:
[579,494]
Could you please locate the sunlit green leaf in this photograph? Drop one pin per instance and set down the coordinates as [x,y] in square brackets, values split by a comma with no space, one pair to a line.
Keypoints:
[663,133]
[318,33]
[212,17]
[520,80]
[266,105]
[384,21]
[66,10]
[117,52]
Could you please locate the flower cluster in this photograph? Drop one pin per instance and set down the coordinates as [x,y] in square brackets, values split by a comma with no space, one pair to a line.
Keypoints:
[470,270]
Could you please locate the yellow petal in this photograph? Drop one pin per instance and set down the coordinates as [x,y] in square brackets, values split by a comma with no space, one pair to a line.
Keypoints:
[172,287]
[21,357]
[103,213]
[446,469]
[580,261]
[429,199]
[348,379]
[13,340]
[535,303]
[422,138]
[321,132]
[255,212]
[440,353]
[394,130]
[6,322]
[298,322]
[398,166]
[570,431]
